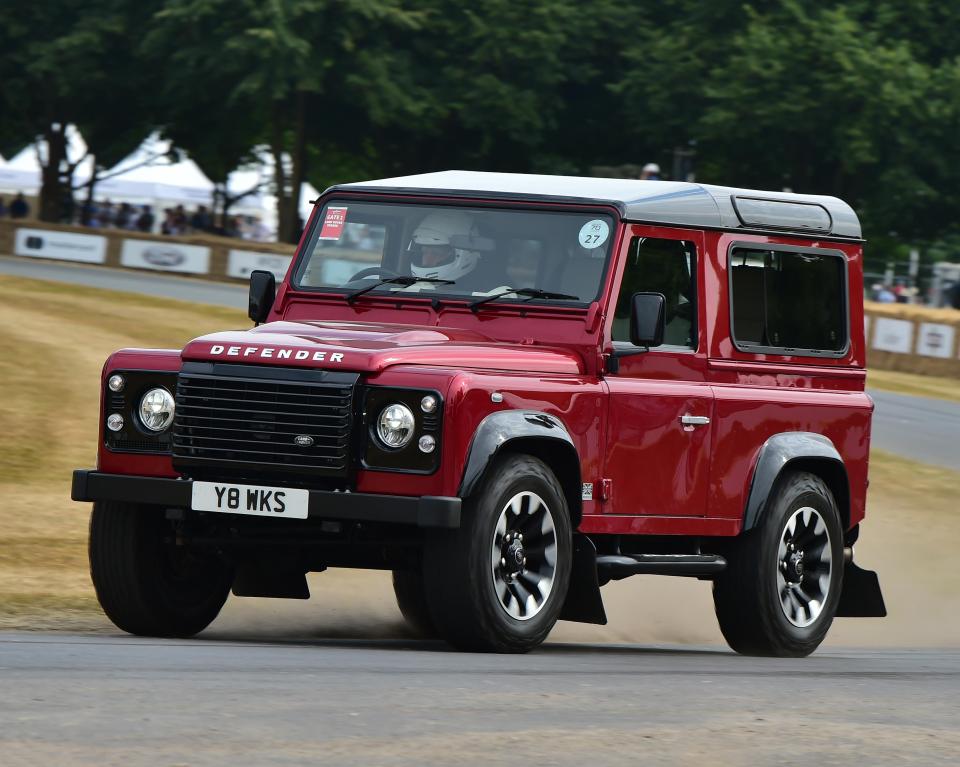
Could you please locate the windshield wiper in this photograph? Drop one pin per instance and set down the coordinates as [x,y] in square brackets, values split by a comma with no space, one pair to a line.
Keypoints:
[527,292]
[404,280]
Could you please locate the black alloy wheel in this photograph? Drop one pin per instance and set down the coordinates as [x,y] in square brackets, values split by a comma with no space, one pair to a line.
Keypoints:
[498,583]
[780,591]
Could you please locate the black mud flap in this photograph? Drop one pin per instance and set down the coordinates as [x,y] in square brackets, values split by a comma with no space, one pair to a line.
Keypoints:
[255,579]
[861,597]
[584,603]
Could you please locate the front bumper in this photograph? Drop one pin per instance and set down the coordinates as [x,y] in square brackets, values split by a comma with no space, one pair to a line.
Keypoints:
[422,511]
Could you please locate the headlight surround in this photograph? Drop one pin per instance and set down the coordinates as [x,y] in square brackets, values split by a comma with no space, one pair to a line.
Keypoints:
[379,452]
[156,409]
[395,426]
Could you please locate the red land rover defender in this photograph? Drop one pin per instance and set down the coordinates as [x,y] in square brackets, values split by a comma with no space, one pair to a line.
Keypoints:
[509,390]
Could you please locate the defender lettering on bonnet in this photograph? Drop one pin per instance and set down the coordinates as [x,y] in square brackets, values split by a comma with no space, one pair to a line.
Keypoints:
[265,352]
[554,383]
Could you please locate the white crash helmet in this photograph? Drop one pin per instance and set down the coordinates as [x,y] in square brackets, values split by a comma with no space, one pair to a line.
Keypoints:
[450,228]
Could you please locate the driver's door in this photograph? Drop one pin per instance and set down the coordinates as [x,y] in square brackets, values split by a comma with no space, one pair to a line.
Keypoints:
[658,454]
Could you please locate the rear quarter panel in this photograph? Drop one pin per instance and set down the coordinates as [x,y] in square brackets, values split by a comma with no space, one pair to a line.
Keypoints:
[759,395]
[748,414]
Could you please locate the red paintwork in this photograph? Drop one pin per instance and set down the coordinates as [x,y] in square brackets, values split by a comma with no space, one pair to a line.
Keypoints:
[373,347]
[664,479]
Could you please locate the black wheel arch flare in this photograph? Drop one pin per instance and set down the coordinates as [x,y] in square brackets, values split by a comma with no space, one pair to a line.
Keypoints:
[796,451]
[525,431]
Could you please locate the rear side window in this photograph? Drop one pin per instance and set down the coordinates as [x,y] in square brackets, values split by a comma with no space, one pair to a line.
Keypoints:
[789,300]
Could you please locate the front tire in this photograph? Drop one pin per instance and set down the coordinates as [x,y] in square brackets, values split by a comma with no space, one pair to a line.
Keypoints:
[147,585]
[780,591]
[498,583]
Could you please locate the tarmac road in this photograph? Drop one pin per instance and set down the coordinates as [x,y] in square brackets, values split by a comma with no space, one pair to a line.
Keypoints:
[920,428]
[130,281]
[103,700]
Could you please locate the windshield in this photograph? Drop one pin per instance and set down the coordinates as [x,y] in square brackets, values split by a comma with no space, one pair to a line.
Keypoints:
[456,251]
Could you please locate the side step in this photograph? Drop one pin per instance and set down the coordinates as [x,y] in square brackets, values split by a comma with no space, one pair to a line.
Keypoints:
[615,567]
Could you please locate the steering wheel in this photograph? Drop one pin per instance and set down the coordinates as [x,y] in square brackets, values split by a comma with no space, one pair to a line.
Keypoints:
[371,270]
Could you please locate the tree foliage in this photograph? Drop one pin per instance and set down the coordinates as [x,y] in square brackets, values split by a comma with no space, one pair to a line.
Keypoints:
[857,98]
[68,62]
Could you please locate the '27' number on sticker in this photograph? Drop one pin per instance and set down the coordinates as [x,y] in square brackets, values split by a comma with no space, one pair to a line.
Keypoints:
[594,233]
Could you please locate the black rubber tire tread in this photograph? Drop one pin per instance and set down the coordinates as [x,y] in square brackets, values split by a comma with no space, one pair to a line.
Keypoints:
[412,600]
[460,594]
[125,550]
[745,596]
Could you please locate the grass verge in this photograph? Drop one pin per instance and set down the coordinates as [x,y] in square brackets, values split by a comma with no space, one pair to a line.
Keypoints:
[915,385]
[54,342]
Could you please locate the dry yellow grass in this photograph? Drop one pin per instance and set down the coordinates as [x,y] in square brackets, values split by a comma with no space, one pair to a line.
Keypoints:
[913,384]
[54,342]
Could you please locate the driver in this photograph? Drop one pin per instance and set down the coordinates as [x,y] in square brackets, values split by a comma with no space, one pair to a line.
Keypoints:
[437,246]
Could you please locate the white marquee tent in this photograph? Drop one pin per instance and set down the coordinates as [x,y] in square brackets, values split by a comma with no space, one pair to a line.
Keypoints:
[160,184]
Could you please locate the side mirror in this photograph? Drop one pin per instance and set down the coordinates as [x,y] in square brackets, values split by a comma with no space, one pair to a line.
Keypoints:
[647,319]
[263,290]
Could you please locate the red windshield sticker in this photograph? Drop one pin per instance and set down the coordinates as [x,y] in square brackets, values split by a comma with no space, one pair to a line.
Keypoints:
[333,224]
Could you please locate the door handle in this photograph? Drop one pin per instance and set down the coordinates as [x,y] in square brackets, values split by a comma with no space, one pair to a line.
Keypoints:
[694,420]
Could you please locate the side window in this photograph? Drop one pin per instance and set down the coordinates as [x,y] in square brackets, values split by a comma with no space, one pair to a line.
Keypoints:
[661,266]
[786,300]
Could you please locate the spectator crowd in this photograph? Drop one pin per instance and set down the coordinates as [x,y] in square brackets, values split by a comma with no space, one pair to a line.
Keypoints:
[141,218]
[18,207]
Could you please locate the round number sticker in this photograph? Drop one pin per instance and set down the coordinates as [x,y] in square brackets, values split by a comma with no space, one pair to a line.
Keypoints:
[594,233]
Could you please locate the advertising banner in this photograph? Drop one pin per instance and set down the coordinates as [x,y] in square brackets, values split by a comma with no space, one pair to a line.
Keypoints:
[893,335]
[64,246]
[935,340]
[241,262]
[165,256]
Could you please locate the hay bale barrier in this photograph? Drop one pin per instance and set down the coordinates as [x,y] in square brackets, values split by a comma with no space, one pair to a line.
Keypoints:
[913,339]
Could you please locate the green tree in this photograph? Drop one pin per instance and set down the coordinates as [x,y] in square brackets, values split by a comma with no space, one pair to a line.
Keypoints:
[857,99]
[813,100]
[68,62]
[667,61]
[280,66]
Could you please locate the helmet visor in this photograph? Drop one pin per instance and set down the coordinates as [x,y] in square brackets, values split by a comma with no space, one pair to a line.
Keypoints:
[427,256]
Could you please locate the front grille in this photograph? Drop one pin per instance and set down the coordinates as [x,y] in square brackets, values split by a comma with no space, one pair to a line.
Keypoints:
[248,419]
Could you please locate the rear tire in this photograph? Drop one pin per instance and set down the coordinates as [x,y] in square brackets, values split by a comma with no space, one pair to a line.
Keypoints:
[498,583]
[412,601]
[147,585]
[780,591]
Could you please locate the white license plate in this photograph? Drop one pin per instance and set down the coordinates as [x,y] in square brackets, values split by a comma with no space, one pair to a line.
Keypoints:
[250,499]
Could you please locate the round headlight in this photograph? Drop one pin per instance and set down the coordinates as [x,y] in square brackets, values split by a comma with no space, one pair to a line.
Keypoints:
[395,425]
[156,409]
